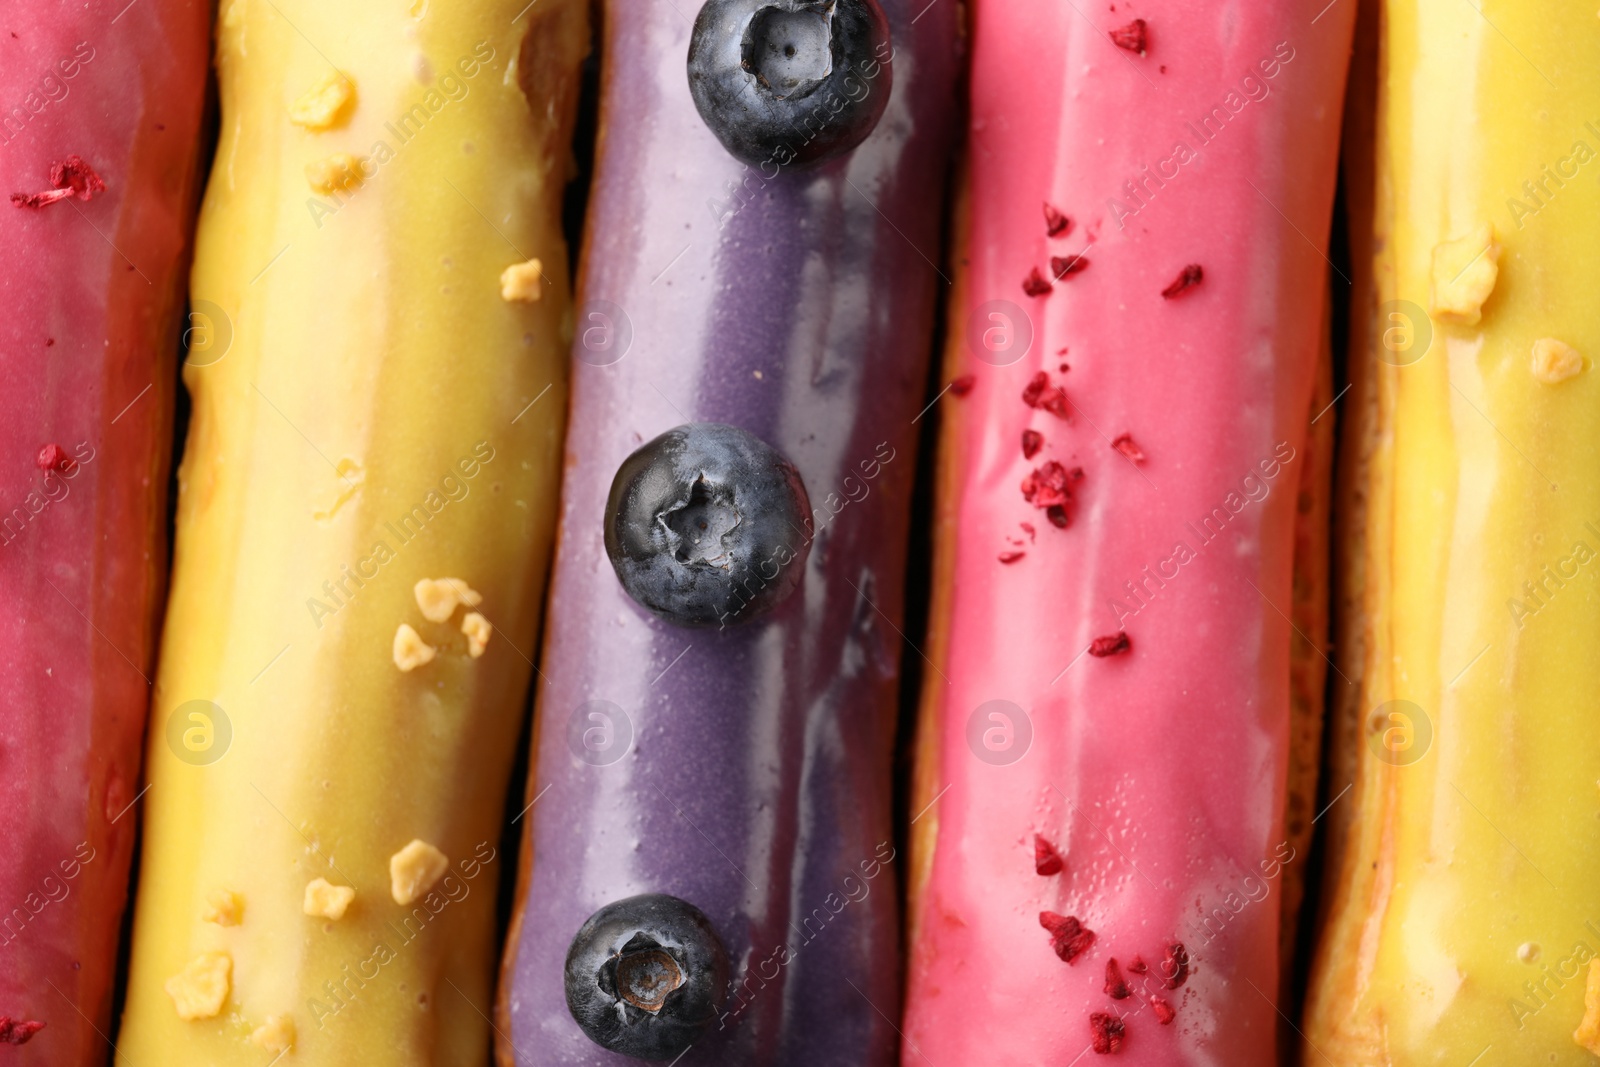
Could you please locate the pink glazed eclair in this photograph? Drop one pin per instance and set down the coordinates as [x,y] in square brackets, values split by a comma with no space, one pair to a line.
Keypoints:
[100,129]
[1111,811]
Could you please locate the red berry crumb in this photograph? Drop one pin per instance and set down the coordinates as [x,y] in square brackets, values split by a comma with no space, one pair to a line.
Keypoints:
[53,457]
[1137,965]
[70,177]
[39,199]
[1175,965]
[1192,276]
[17,1033]
[1034,284]
[1062,266]
[1027,528]
[1069,937]
[1011,557]
[963,385]
[1124,444]
[1032,441]
[1164,1011]
[1110,645]
[1057,514]
[73,173]
[1048,486]
[1046,860]
[1116,986]
[1055,223]
[1041,394]
[1135,36]
[1107,1031]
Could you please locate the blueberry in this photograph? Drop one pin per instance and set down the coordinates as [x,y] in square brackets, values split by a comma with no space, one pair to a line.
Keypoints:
[706,525]
[790,81]
[645,976]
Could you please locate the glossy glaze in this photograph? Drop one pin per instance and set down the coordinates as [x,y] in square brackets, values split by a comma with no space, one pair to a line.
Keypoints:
[378,391]
[92,299]
[1161,774]
[1462,912]
[757,782]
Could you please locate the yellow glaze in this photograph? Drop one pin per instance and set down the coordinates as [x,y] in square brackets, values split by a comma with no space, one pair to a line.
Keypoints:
[1465,895]
[378,415]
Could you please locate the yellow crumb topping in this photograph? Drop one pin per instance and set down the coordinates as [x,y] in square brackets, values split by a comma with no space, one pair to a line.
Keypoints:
[201,988]
[1464,273]
[326,900]
[1555,361]
[324,104]
[223,907]
[477,629]
[339,172]
[438,597]
[410,650]
[276,1035]
[520,282]
[414,870]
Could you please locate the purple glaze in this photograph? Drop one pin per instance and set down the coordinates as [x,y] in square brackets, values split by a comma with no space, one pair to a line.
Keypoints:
[758,782]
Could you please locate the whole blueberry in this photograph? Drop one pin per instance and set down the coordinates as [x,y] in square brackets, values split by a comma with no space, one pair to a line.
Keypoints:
[790,82]
[705,525]
[645,976]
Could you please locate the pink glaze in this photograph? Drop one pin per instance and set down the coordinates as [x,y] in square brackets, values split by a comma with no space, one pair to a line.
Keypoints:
[1159,773]
[91,302]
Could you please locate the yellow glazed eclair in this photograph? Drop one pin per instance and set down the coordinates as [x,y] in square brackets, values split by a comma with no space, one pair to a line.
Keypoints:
[366,505]
[1463,924]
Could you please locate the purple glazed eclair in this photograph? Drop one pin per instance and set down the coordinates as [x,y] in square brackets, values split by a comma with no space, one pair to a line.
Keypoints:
[708,872]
